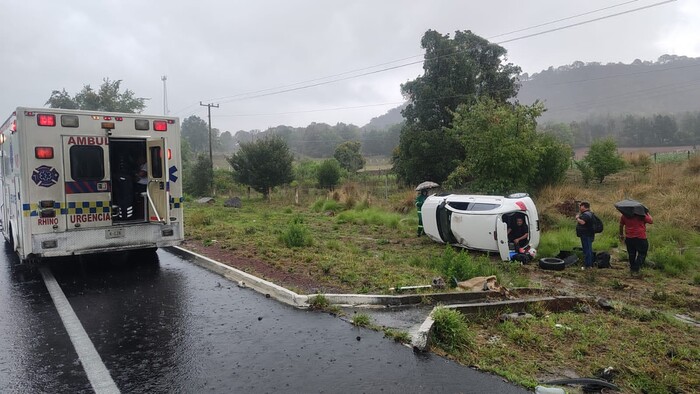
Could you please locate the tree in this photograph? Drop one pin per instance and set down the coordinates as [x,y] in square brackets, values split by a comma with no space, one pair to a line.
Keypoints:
[106,98]
[456,71]
[503,146]
[262,164]
[349,156]
[603,159]
[196,131]
[328,174]
[197,180]
[226,142]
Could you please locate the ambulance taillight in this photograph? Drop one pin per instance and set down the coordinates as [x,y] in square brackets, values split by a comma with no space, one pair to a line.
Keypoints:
[43,152]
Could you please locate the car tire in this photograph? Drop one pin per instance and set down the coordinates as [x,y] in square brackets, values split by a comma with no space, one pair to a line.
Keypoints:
[570,260]
[552,264]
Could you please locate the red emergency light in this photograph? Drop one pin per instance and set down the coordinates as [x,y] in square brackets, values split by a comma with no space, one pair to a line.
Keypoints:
[46,120]
[43,152]
[160,125]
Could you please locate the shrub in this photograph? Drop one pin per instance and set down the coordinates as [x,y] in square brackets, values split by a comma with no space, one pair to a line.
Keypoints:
[296,235]
[461,266]
[450,330]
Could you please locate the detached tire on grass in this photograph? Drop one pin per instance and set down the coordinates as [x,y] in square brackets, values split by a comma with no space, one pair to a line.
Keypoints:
[552,264]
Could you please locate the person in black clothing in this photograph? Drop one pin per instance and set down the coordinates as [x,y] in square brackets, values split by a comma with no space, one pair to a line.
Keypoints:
[584,230]
[518,233]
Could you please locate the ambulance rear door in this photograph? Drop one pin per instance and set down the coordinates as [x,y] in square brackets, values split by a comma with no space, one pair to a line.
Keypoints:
[88,185]
[158,185]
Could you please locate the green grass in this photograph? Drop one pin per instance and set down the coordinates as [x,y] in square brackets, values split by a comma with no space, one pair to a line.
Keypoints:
[649,362]
[450,331]
[361,320]
[372,248]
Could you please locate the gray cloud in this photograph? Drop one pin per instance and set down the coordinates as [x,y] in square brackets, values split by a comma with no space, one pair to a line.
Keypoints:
[211,50]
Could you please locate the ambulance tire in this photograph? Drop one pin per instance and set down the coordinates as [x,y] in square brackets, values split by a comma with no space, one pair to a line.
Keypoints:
[11,239]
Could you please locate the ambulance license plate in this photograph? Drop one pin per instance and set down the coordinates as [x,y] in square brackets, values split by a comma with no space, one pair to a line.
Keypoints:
[114,233]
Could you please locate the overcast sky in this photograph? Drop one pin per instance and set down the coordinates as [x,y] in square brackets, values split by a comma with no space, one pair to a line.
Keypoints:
[215,51]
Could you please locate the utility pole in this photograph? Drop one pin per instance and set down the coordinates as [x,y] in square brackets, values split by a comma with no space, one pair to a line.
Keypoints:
[211,156]
[165,95]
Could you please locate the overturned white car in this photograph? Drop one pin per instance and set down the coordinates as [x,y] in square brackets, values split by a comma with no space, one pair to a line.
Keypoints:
[480,222]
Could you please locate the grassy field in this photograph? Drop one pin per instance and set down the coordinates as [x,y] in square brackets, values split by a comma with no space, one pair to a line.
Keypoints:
[362,239]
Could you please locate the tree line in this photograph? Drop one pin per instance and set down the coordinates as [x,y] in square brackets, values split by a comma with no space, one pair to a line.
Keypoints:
[630,130]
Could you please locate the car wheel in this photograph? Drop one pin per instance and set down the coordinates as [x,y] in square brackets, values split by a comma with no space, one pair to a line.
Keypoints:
[552,264]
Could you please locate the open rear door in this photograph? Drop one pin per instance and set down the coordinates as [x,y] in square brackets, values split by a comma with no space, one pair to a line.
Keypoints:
[158,186]
[502,238]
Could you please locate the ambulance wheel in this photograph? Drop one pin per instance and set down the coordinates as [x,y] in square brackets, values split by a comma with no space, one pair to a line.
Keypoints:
[11,240]
[552,264]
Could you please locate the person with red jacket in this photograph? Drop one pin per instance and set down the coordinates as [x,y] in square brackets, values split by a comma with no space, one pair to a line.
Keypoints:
[633,231]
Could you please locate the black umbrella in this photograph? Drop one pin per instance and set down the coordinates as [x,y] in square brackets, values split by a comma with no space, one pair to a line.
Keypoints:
[631,208]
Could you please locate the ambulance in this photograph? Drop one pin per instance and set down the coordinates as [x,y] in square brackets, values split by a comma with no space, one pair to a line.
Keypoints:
[81,182]
[480,222]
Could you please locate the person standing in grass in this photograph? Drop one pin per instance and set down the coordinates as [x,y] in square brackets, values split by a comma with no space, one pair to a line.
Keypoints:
[633,230]
[420,199]
[584,230]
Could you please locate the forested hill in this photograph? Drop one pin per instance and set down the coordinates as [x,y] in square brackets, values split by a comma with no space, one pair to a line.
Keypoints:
[670,85]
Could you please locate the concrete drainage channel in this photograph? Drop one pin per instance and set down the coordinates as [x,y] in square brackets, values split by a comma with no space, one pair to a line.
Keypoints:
[464,302]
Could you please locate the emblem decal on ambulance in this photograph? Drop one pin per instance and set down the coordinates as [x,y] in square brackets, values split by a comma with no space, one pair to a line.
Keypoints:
[45,176]
[172,171]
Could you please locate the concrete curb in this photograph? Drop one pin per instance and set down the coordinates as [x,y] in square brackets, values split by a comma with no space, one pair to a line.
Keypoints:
[289,297]
[421,339]
[243,279]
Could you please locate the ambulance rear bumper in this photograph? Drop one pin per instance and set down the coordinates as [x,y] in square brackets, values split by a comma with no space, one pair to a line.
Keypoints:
[88,241]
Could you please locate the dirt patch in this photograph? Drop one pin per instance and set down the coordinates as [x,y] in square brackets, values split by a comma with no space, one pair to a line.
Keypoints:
[300,282]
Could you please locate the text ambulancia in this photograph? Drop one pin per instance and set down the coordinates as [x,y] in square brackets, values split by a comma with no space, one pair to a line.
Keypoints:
[80,182]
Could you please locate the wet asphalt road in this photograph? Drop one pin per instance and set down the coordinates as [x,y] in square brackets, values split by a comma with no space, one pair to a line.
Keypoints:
[161,324]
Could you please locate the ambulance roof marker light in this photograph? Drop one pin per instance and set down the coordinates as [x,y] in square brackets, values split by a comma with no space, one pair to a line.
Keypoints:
[48,120]
[160,125]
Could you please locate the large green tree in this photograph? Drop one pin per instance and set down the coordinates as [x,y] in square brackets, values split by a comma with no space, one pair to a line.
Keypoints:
[263,164]
[457,71]
[506,153]
[349,156]
[107,98]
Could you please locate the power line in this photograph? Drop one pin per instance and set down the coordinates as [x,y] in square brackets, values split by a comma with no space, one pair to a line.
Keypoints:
[588,21]
[288,88]
[562,19]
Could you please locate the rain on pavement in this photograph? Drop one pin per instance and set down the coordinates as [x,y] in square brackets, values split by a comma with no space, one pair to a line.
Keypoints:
[161,324]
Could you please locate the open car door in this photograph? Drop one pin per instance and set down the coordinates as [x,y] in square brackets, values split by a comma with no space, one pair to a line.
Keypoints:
[158,189]
[502,238]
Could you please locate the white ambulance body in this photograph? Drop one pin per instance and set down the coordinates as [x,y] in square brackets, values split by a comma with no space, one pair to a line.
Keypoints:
[73,182]
[479,222]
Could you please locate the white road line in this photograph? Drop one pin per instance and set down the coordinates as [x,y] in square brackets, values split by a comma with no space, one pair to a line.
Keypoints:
[95,369]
